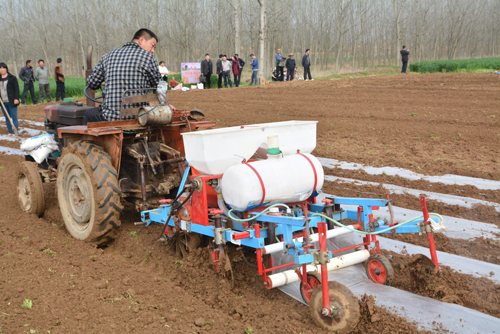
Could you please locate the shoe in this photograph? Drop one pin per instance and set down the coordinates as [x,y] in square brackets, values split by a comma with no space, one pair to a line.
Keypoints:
[312,79]
[12,135]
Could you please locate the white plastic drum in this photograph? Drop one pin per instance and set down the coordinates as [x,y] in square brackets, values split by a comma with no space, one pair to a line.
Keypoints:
[284,180]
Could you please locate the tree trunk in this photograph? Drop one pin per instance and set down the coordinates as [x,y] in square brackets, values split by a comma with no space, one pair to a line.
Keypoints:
[262,37]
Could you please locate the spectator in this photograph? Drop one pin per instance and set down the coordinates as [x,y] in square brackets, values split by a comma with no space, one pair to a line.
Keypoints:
[42,76]
[306,63]
[163,71]
[290,67]
[241,64]
[132,66]
[404,58]
[279,65]
[9,93]
[219,71]
[26,75]
[235,66]
[59,76]
[226,71]
[174,84]
[207,68]
[255,70]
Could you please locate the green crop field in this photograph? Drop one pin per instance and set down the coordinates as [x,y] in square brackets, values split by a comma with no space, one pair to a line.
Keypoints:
[74,88]
[458,65]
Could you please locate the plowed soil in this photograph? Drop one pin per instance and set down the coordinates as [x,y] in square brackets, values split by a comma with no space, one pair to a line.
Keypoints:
[433,124]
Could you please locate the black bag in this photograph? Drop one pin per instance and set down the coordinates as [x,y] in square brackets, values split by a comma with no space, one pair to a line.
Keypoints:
[203,78]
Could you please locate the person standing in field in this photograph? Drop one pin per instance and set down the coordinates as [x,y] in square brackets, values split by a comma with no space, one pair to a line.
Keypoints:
[241,63]
[306,63]
[279,65]
[226,71]
[219,71]
[255,70]
[163,71]
[59,76]
[404,58]
[42,76]
[207,68]
[26,75]
[236,69]
[9,93]
[290,67]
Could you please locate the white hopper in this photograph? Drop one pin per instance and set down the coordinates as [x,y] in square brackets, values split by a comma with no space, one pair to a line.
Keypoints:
[214,151]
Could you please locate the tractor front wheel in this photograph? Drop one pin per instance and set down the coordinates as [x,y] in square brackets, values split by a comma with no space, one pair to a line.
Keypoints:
[88,193]
[379,269]
[29,189]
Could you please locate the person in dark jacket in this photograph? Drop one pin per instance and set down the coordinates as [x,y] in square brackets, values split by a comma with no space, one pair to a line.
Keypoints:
[219,71]
[207,68]
[241,63]
[236,69]
[59,76]
[9,93]
[290,67]
[306,63]
[26,75]
[404,58]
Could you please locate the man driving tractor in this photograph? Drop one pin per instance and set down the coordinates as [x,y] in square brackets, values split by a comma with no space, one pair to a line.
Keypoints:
[132,66]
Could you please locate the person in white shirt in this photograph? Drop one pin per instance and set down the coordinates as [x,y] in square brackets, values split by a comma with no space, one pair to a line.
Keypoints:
[163,71]
[226,71]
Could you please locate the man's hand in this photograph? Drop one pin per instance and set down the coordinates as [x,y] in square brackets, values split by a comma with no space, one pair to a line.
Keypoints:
[16,101]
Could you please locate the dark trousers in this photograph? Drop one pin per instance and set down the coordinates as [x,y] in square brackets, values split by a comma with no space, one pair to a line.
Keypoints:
[279,73]
[219,81]
[28,87]
[405,65]
[237,78]
[93,115]
[164,78]
[307,70]
[290,72]
[60,91]
[44,89]
[227,77]
[206,85]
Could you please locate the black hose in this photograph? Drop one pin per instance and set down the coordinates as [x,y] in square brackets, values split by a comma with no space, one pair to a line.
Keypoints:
[246,261]
[172,209]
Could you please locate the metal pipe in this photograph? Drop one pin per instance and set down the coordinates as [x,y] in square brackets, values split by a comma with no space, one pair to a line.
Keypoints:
[278,247]
[142,160]
[290,276]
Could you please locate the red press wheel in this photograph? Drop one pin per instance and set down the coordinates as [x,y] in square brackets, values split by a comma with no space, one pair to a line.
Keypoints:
[379,269]
[306,290]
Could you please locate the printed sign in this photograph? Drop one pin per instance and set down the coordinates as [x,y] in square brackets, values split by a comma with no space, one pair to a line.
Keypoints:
[190,73]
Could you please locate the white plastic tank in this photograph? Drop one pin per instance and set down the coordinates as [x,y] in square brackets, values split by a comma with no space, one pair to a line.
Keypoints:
[286,180]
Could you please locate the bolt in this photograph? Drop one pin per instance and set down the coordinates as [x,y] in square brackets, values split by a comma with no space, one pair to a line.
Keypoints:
[325,312]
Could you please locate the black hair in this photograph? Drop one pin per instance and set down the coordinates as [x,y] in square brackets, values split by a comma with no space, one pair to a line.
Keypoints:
[221,55]
[236,55]
[146,33]
[404,46]
[224,56]
[251,54]
[4,65]
[207,55]
[162,62]
[307,50]
[59,60]
[28,61]
[39,60]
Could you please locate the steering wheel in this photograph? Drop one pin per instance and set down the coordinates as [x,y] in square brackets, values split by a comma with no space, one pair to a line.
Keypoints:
[98,99]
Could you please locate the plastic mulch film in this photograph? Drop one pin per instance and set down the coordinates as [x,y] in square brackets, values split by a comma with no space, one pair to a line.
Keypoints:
[421,310]
[449,179]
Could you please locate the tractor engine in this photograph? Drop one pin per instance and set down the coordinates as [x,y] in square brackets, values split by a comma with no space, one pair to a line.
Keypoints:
[160,175]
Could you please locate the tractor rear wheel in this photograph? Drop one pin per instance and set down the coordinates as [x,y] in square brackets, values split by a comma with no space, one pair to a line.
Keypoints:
[88,193]
[29,189]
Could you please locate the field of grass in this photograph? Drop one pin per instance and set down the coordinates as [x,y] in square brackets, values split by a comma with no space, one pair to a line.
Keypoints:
[74,88]
[457,65]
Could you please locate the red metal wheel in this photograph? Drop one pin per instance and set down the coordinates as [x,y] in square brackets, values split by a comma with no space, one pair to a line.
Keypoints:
[313,280]
[379,269]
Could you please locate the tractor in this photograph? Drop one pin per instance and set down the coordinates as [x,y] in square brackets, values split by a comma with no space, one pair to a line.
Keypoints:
[139,160]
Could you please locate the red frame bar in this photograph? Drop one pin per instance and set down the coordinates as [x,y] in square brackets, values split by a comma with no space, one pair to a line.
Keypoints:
[430,235]
[242,235]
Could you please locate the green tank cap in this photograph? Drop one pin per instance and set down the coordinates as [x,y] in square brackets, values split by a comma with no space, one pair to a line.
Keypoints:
[68,100]
[273,151]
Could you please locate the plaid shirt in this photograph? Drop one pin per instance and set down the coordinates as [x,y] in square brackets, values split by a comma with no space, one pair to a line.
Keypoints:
[128,67]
